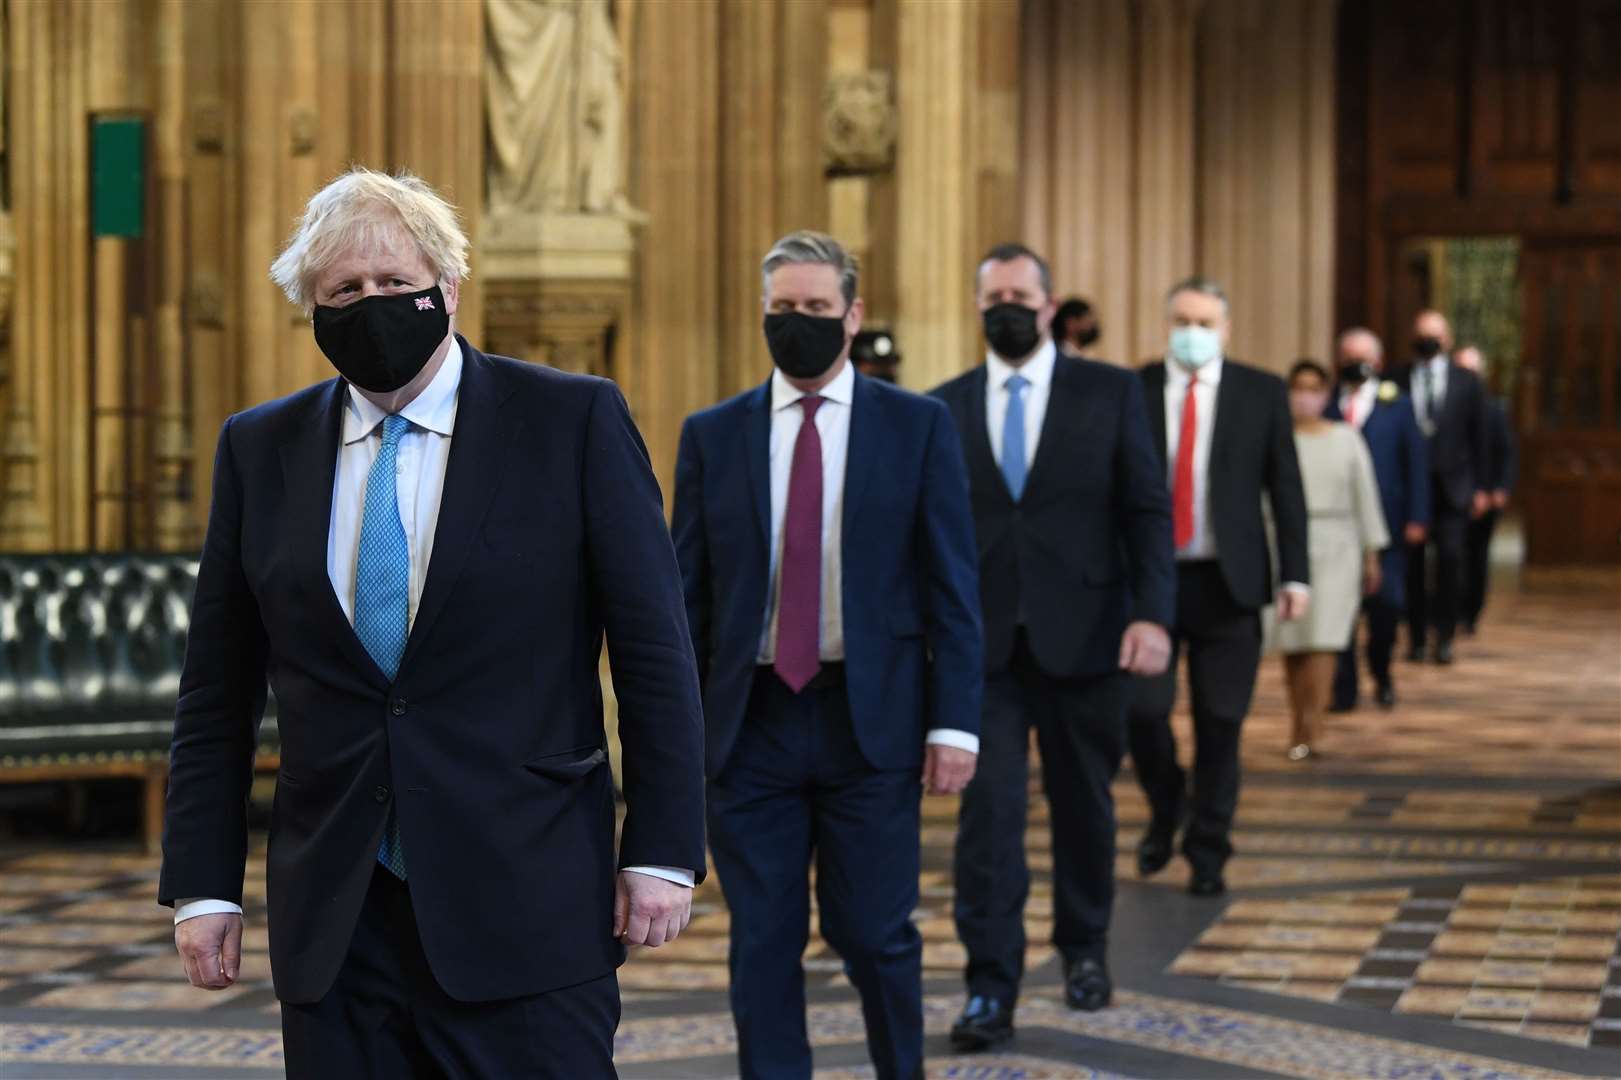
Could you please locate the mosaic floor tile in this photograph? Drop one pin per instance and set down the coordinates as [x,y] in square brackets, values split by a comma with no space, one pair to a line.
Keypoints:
[78,934]
[171,994]
[217,1048]
[26,961]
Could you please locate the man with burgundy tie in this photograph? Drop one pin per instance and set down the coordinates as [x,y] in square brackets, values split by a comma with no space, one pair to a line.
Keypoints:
[1076,583]
[1226,440]
[827,550]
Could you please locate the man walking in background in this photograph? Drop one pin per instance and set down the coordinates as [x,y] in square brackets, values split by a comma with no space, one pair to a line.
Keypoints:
[1502,472]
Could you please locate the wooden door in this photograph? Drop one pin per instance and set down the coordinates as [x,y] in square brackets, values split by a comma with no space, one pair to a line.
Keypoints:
[1569,401]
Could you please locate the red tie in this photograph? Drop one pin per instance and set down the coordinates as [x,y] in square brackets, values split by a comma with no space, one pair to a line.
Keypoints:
[1182,484]
[799,598]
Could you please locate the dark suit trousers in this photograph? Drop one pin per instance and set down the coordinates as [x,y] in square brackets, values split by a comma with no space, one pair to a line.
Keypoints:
[386,1017]
[797,788]
[1433,599]
[1382,617]
[1081,729]
[1478,567]
[1223,645]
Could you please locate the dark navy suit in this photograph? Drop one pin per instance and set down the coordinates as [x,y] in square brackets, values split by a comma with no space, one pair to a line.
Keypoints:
[1401,464]
[488,744]
[832,773]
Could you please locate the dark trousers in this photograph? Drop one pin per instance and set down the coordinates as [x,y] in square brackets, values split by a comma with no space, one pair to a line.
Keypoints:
[1433,598]
[1081,730]
[1382,617]
[1223,645]
[386,1017]
[797,788]
[1478,566]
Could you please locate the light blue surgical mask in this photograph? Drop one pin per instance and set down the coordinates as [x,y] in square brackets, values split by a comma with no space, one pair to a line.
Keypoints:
[1195,346]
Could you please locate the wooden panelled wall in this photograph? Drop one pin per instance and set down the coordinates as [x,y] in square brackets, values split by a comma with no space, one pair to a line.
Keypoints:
[1163,138]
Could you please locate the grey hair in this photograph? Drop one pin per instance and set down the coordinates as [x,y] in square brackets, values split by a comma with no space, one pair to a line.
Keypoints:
[1201,285]
[1362,332]
[360,208]
[1005,253]
[818,249]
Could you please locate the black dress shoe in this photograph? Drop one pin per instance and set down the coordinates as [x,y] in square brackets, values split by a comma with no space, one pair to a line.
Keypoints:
[1154,850]
[985,1024]
[1443,652]
[1207,884]
[1342,707]
[1087,986]
[1415,655]
[1386,696]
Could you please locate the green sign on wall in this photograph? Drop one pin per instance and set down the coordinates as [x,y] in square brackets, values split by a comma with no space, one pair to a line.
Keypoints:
[118,176]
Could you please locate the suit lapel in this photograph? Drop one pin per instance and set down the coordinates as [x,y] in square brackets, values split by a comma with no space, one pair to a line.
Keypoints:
[1227,400]
[1064,402]
[478,452]
[757,451]
[308,472]
[1154,392]
[974,423]
[861,452]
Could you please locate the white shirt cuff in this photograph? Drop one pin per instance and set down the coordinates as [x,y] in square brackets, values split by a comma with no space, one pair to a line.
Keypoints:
[1297,588]
[192,907]
[960,740]
[675,874]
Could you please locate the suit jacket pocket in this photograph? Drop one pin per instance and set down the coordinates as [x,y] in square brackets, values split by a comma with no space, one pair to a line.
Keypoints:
[567,766]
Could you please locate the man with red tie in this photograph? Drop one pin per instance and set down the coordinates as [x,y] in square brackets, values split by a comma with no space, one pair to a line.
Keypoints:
[827,551]
[1226,439]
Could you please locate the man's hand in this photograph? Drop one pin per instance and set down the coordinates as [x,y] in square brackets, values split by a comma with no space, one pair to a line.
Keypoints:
[211,948]
[648,910]
[1372,575]
[946,769]
[1500,499]
[1482,502]
[1292,604]
[1415,533]
[1145,649]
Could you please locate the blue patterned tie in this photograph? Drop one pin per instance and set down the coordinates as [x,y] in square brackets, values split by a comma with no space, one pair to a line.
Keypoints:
[1013,453]
[383,591]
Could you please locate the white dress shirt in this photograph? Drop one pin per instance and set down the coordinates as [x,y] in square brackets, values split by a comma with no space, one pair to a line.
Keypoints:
[419,479]
[1038,370]
[1359,403]
[833,425]
[1177,377]
[1429,383]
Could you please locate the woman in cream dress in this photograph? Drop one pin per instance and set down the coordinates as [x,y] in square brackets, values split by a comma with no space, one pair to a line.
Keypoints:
[1346,533]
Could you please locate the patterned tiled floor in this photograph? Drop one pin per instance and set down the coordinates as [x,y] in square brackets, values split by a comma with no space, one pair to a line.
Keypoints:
[1438,896]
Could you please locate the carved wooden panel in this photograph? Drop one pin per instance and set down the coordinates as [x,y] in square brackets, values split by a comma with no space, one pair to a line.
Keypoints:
[1514,108]
[1418,53]
[1596,110]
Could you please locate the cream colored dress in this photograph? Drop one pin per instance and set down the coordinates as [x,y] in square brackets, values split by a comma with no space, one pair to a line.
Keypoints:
[1346,520]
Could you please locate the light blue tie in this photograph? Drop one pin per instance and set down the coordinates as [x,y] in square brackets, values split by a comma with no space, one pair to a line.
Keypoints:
[1013,463]
[383,591]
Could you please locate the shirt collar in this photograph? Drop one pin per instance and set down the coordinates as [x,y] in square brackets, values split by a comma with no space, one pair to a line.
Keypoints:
[1177,376]
[1037,371]
[432,410]
[840,390]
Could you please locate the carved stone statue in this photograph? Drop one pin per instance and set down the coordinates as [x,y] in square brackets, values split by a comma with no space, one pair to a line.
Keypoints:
[555,107]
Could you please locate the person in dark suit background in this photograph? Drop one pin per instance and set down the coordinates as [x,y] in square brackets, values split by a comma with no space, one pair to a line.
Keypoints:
[1225,441]
[827,548]
[1076,584]
[425,555]
[1450,403]
[1502,473]
[1401,463]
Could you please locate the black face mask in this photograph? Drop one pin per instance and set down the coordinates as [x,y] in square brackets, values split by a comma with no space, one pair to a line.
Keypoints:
[803,346]
[1356,374]
[381,343]
[1089,336]
[1010,329]
[1428,348]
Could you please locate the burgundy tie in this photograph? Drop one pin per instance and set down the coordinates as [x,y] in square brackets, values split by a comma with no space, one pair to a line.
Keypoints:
[799,605]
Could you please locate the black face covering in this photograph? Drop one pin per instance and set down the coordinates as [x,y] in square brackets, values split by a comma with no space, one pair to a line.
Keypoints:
[1010,329]
[381,343]
[1356,374]
[803,346]
[1427,347]
[1089,336]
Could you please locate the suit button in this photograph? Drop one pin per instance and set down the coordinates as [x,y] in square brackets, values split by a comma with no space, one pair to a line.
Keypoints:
[398,708]
[381,794]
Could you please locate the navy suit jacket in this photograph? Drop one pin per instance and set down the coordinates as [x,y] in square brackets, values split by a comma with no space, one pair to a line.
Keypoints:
[1087,548]
[913,652]
[489,742]
[1401,464]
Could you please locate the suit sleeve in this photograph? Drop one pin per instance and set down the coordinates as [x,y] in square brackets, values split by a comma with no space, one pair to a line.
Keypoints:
[1370,514]
[218,711]
[951,575]
[692,543]
[1506,453]
[1480,437]
[1284,490]
[1415,458]
[636,585]
[1143,508]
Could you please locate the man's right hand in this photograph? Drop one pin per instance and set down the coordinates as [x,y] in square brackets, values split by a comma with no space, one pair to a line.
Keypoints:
[1414,534]
[211,948]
